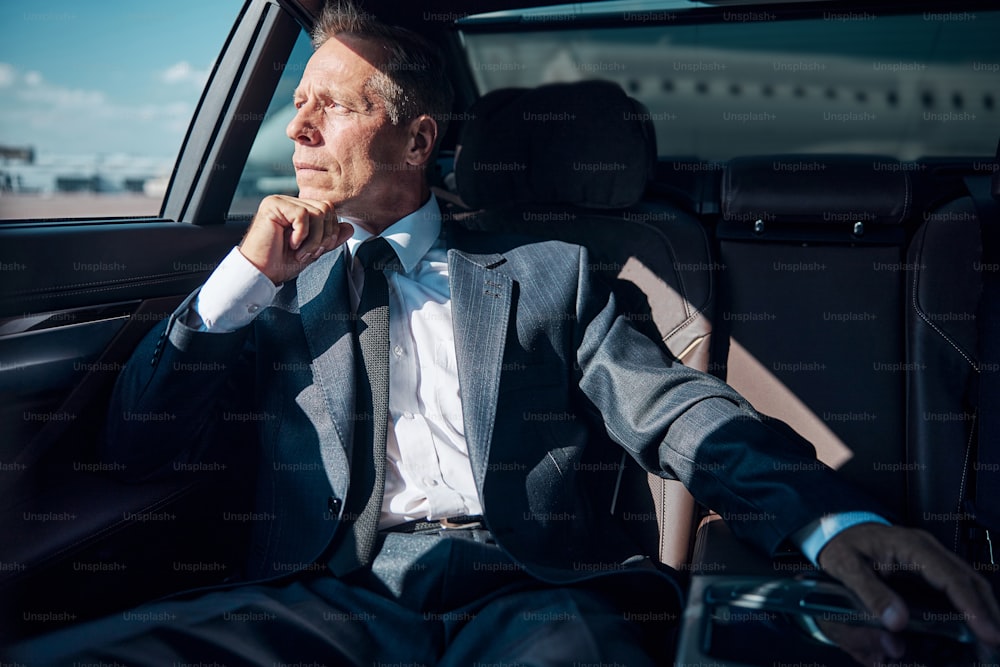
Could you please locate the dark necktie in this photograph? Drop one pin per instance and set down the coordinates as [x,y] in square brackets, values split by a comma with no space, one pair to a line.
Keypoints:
[371,410]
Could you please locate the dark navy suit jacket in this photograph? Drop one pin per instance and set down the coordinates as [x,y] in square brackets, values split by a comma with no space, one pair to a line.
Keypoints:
[555,381]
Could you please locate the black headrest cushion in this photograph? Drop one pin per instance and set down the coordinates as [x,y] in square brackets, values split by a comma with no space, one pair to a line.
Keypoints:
[586,144]
[816,189]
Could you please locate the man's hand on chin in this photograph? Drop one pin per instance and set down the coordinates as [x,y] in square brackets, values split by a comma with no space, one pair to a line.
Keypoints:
[288,234]
[857,556]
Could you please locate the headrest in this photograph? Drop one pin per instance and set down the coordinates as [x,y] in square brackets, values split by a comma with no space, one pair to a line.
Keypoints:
[816,189]
[585,144]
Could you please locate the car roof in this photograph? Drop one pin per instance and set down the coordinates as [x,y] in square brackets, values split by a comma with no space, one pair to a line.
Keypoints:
[507,11]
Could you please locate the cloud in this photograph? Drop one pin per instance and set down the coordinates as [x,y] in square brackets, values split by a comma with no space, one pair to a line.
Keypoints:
[75,98]
[86,120]
[182,73]
[7,75]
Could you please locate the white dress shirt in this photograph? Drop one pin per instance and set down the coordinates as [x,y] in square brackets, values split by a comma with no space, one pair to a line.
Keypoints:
[429,475]
[428,472]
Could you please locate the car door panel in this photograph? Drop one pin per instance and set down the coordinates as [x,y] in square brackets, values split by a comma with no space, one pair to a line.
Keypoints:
[59,357]
[76,297]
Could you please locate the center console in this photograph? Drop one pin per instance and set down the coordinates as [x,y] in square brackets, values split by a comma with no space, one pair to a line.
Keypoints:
[745,610]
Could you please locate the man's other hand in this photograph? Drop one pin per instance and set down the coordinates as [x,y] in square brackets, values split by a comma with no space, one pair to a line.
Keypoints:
[858,556]
[288,234]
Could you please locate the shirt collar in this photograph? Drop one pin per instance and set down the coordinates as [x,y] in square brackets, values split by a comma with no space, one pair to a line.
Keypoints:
[411,236]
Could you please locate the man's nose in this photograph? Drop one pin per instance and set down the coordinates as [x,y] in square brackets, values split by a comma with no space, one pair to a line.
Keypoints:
[301,129]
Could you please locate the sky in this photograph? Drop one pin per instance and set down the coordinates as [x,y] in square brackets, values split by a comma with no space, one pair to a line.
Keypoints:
[106,76]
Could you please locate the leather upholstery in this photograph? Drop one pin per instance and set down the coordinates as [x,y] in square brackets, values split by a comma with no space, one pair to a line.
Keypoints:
[816,189]
[943,293]
[812,315]
[585,143]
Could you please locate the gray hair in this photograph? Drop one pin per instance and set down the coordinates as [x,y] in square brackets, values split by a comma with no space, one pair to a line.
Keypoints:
[410,80]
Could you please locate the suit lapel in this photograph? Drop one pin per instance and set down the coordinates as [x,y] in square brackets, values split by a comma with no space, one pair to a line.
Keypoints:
[481,301]
[329,329]
[481,304]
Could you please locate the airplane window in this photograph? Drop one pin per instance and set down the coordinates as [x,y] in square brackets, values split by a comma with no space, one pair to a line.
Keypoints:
[905,86]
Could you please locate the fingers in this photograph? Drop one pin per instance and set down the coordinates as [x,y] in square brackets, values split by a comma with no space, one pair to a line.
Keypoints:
[288,233]
[329,223]
[984,620]
[309,246]
[308,219]
[325,233]
[855,568]
[859,554]
[887,606]
[966,589]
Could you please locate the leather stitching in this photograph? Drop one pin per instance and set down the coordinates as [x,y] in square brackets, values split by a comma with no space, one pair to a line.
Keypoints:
[926,319]
[961,486]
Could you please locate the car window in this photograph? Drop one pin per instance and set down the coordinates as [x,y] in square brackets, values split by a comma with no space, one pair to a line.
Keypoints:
[268,169]
[849,82]
[95,100]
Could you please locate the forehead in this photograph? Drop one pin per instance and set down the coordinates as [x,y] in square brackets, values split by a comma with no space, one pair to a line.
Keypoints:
[344,63]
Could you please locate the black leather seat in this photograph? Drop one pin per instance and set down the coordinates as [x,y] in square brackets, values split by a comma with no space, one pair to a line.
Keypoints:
[944,328]
[813,291]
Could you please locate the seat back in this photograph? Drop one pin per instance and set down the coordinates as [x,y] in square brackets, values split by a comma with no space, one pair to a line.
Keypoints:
[942,334]
[812,299]
[952,329]
[562,167]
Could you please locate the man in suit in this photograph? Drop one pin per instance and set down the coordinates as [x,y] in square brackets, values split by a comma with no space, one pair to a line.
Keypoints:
[512,376]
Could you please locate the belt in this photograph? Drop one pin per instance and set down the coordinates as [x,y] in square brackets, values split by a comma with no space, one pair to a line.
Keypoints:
[464,522]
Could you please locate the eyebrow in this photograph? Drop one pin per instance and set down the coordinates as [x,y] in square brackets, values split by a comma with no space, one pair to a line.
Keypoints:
[362,102]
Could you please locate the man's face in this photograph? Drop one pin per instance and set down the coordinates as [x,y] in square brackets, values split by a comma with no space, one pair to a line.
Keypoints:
[346,150]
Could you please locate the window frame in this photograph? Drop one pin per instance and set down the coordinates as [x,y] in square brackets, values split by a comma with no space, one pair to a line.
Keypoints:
[216,146]
[698,13]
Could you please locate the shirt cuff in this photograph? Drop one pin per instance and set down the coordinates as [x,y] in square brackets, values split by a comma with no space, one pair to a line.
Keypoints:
[814,536]
[232,297]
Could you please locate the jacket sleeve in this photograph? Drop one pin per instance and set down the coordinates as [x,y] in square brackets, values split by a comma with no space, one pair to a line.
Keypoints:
[179,396]
[681,423]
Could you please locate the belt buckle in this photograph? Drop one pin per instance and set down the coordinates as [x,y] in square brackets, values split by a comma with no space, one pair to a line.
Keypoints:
[460,523]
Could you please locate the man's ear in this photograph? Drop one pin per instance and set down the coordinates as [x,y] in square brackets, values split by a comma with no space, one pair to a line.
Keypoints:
[423,132]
